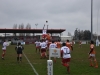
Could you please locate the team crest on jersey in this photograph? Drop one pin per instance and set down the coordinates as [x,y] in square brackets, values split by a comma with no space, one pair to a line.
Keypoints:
[55,51]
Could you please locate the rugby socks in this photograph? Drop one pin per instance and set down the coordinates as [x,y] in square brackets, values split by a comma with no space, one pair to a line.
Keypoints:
[91,63]
[96,65]
[17,58]
[95,62]
[68,70]
[20,58]
[45,54]
[3,54]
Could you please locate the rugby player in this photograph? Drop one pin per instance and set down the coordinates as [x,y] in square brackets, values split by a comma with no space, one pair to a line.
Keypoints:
[37,46]
[53,45]
[5,44]
[59,45]
[69,45]
[43,47]
[80,44]
[92,57]
[66,56]
[19,48]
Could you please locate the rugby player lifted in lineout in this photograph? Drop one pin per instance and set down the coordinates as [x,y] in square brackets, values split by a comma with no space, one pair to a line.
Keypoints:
[46,35]
[44,32]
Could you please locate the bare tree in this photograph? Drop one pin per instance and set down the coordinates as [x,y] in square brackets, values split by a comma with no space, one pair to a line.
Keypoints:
[69,34]
[14,27]
[28,26]
[21,27]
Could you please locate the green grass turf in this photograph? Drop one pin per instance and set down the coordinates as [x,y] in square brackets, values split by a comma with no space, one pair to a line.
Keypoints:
[79,64]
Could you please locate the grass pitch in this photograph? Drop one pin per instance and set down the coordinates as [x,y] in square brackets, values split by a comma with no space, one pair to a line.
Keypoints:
[79,64]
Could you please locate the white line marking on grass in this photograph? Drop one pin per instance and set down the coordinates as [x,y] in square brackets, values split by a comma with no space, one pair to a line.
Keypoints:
[31,64]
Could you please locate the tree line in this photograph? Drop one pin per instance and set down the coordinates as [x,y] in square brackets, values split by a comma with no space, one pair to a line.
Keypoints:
[84,35]
[22,26]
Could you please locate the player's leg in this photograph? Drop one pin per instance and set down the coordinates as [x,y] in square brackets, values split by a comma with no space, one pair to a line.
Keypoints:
[41,53]
[79,45]
[64,62]
[68,65]
[95,62]
[72,48]
[91,60]
[44,54]
[20,56]
[55,59]
[48,52]
[36,49]
[17,56]
[39,49]
[3,54]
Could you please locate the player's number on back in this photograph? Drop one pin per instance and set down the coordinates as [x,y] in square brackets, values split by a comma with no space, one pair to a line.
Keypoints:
[65,51]
[43,45]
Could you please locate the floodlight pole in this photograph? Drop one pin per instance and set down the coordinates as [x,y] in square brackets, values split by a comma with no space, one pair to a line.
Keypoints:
[91,20]
[97,22]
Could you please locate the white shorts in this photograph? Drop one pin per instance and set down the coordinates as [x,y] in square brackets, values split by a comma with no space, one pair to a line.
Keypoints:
[93,55]
[3,48]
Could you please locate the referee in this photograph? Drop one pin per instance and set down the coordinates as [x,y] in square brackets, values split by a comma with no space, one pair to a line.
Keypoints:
[19,48]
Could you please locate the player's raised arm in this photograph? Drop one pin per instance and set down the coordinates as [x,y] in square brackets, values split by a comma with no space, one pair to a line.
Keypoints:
[43,26]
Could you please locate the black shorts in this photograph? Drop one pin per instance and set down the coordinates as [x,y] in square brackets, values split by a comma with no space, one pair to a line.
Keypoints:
[19,52]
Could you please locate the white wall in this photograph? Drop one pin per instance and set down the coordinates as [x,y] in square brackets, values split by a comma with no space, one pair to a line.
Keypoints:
[64,38]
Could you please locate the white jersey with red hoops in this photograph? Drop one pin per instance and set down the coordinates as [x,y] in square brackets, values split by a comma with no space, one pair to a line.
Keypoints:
[52,45]
[43,45]
[44,31]
[37,44]
[66,52]
[4,46]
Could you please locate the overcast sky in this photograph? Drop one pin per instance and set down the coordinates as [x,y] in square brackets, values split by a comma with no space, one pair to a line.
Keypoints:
[60,14]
